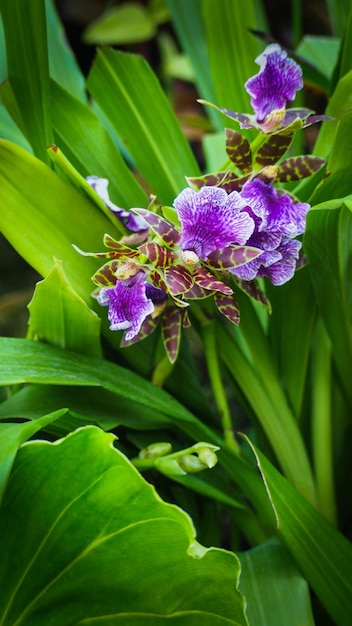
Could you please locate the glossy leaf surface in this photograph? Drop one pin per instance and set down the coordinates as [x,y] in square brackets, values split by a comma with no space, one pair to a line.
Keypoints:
[88,540]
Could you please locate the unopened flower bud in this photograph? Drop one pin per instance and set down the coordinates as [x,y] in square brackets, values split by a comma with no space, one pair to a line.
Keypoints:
[191,464]
[169,467]
[207,456]
[155,450]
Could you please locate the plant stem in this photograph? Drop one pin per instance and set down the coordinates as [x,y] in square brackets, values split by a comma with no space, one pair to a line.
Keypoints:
[321,423]
[217,385]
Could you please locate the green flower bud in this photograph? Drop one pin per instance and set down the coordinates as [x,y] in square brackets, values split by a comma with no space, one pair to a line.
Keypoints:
[207,456]
[155,450]
[191,464]
[169,467]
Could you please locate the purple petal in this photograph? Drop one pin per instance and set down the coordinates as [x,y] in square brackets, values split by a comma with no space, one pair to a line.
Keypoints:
[284,269]
[135,223]
[211,219]
[277,81]
[277,210]
[128,304]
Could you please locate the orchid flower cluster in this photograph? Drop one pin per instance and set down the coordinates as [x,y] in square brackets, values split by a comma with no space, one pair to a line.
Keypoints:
[224,231]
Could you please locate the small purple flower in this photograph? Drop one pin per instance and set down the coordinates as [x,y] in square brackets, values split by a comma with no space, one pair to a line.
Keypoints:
[134,223]
[211,219]
[277,82]
[278,219]
[130,301]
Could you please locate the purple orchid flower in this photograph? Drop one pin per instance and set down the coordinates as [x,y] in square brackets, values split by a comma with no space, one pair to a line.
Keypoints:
[278,219]
[134,223]
[130,302]
[277,82]
[211,219]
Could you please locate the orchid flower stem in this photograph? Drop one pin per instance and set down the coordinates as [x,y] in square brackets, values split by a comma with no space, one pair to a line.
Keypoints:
[216,381]
[321,424]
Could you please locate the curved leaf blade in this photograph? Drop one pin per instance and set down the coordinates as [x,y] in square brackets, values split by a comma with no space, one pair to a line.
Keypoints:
[103,545]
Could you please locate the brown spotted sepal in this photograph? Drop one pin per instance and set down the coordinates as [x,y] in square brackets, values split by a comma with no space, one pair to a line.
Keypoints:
[232,257]
[238,150]
[171,323]
[298,167]
[272,149]
[250,287]
[230,181]
[228,307]
[205,279]
[160,226]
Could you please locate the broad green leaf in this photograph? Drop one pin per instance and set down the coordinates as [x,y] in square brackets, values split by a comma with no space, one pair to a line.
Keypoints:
[99,534]
[259,383]
[339,103]
[320,51]
[30,361]
[28,68]
[127,23]
[344,64]
[275,591]
[63,66]
[338,13]
[106,409]
[341,151]
[33,362]
[232,50]
[12,436]
[328,243]
[52,214]
[88,146]
[60,317]
[290,331]
[188,23]
[129,94]
[9,130]
[323,555]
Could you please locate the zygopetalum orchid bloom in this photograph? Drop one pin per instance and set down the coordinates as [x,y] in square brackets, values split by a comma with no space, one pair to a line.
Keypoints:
[231,228]
[211,220]
[130,301]
[276,83]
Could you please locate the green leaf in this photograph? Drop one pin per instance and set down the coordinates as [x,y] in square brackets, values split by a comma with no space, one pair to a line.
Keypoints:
[90,149]
[28,68]
[33,362]
[275,591]
[129,94]
[63,66]
[9,130]
[188,23]
[52,214]
[106,409]
[232,50]
[290,330]
[107,540]
[61,318]
[322,52]
[338,105]
[127,23]
[328,243]
[323,554]
[12,436]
